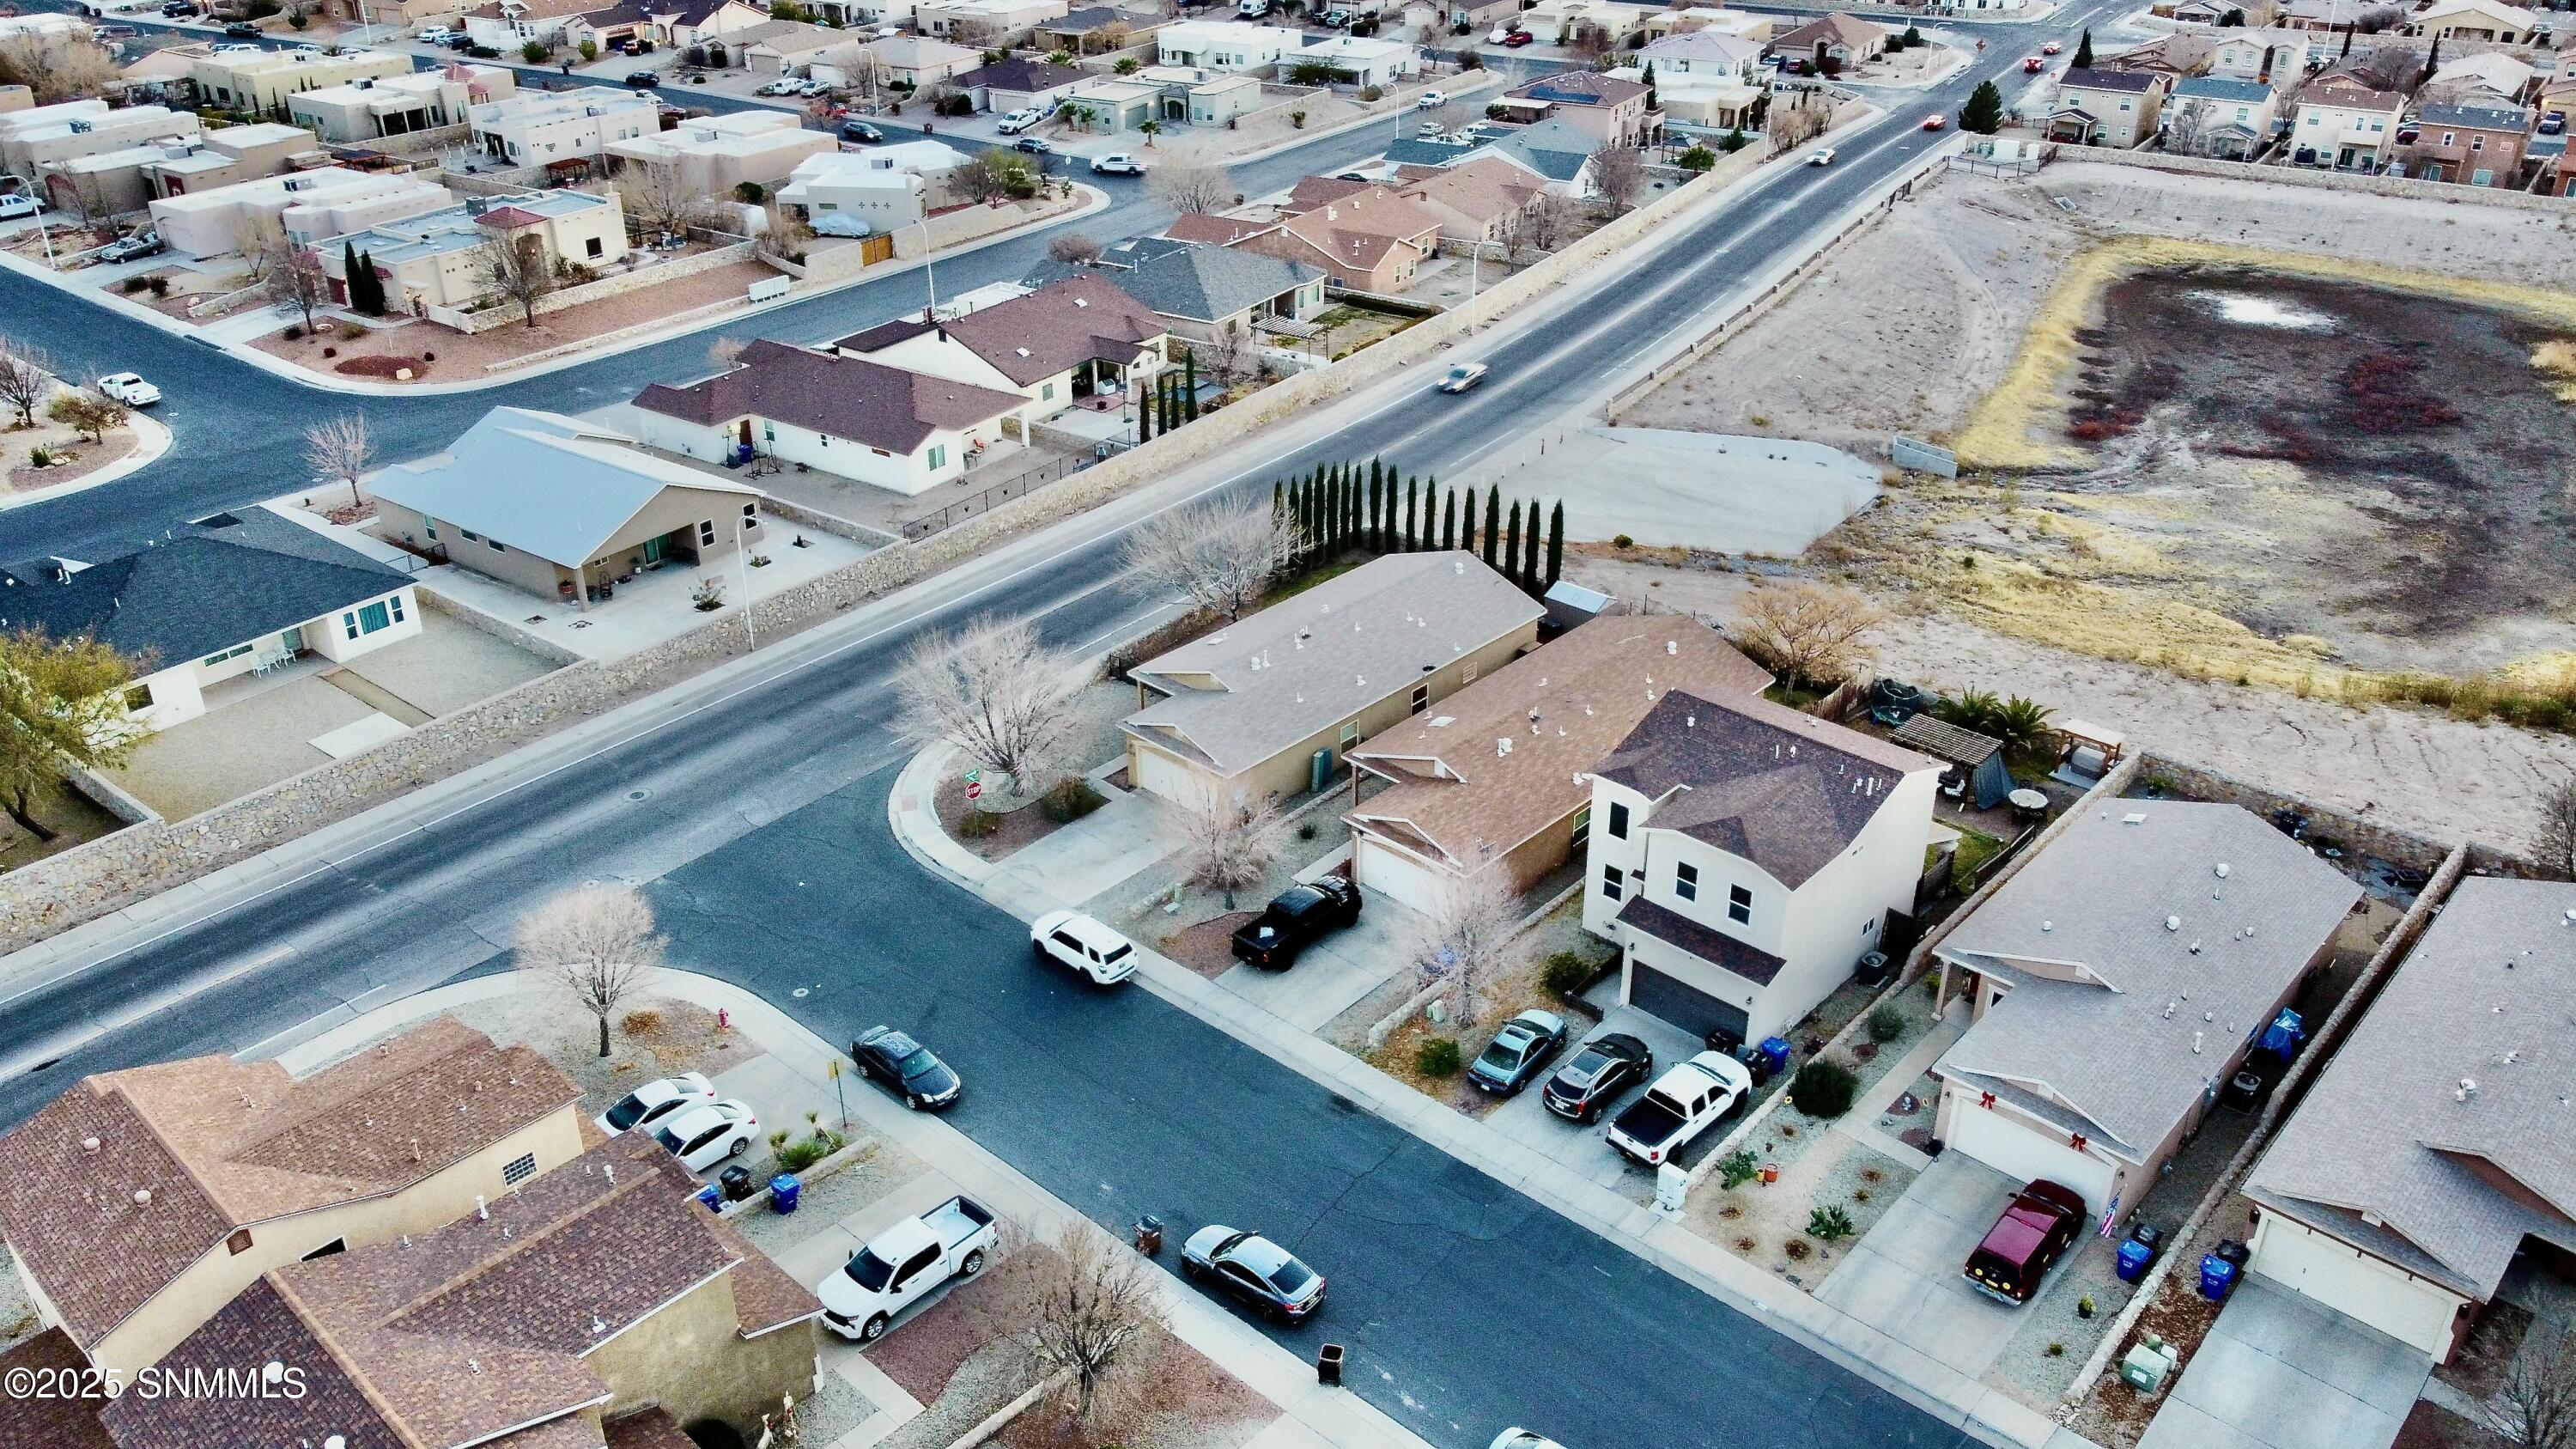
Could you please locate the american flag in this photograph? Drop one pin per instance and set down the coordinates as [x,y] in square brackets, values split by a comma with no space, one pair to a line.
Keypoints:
[2110,1215]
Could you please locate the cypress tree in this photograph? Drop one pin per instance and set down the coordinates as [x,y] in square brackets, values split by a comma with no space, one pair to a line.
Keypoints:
[1511,542]
[1350,506]
[1493,522]
[1467,522]
[1171,401]
[1529,552]
[1190,386]
[1412,514]
[376,300]
[1144,420]
[1449,520]
[1332,512]
[1555,543]
[1374,538]
[349,269]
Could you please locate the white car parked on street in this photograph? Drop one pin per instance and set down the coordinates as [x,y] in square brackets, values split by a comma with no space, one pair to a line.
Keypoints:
[1118,163]
[130,389]
[19,204]
[783,86]
[435,35]
[655,1100]
[1073,939]
[708,1133]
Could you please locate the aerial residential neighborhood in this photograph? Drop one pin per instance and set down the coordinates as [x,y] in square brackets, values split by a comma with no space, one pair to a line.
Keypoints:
[1283,724]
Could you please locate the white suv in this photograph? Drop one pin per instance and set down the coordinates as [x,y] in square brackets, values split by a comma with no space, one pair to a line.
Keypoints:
[1018,121]
[1073,939]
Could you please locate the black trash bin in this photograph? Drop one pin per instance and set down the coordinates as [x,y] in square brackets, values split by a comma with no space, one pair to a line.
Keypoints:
[1328,1365]
[736,1182]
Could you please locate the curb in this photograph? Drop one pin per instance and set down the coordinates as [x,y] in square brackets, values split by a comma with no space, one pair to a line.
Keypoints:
[152,439]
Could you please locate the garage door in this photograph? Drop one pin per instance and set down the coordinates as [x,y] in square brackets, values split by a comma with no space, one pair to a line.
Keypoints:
[2002,1143]
[2354,1284]
[1669,999]
[1159,774]
[1400,877]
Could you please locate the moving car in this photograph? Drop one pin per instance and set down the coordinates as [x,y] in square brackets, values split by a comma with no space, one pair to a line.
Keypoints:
[861,132]
[130,389]
[1510,38]
[1823,156]
[2051,48]
[1254,1269]
[900,1266]
[1683,1103]
[1607,1066]
[1295,919]
[1033,145]
[1078,941]
[243,30]
[1430,101]
[2035,1230]
[906,1068]
[709,1132]
[2031,65]
[434,35]
[655,1100]
[1935,121]
[1463,376]
[1020,120]
[143,243]
[1118,163]
[1525,1044]
[18,204]
[643,80]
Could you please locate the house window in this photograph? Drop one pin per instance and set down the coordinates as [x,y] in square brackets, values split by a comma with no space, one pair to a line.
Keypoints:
[1582,827]
[1739,905]
[2450,138]
[336,1245]
[594,248]
[751,515]
[470,535]
[138,699]
[1046,392]
[1686,882]
[939,455]
[1350,734]
[1612,886]
[395,604]
[496,545]
[430,527]
[1618,821]
[519,1169]
[239,1242]
[2476,143]
[1421,698]
[707,533]
[368,620]
[769,432]
[234,652]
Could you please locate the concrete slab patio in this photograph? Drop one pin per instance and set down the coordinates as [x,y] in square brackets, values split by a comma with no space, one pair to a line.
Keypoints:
[1527,1122]
[2278,1371]
[1732,494]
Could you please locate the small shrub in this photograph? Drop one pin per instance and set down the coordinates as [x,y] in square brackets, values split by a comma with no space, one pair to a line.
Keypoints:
[1371,95]
[352,331]
[427,356]
[1305,830]
[2084,1306]
[778,1139]
[1886,1024]
[1566,973]
[1872,1174]
[1071,800]
[1797,1249]
[760,560]
[1297,119]
[1823,1088]
[708,596]
[2057,1350]
[330,352]
[1829,1224]
[160,285]
[1437,1057]
[1789,1130]
[1746,1244]
[41,457]
[1860,1194]
[644,1021]
[1738,1167]
[535,52]
[796,1157]
[750,193]
[132,285]
[978,824]
[590,51]
[294,332]
[1623,541]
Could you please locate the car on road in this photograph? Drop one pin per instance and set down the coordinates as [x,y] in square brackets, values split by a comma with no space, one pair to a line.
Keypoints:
[130,389]
[1019,120]
[2552,124]
[643,80]
[1118,163]
[1430,101]
[1033,145]
[900,1266]
[144,243]
[2032,65]
[173,9]
[1935,121]
[1463,376]
[1520,1049]
[243,30]
[1519,1438]
[861,132]
[709,1132]
[18,204]
[2034,1231]
[1605,1067]
[906,1068]
[111,32]
[2051,48]
[436,35]
[1073,939]
[1684,1102]
[655,1100]
[783,86]
[1254,1269]
[1295,919]
[1822,156]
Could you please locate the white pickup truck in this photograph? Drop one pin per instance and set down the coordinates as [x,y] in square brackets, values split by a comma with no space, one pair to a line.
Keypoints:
[902,1265]
[1684,1102]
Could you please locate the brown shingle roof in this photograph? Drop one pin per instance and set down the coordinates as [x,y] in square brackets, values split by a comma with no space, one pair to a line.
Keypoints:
[1360,229]
[1313,191]
[1706,942]
[1482,189]
[1041,334]
[1837,28]
[1586,691]
[220,1144]
[648,1429]
[845,397]
[1223,231]
[50,1421]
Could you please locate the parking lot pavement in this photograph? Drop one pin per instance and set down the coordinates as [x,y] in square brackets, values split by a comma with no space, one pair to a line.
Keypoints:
[1333,974]
[1527,1122]
[1903,1277]
[2278,1371]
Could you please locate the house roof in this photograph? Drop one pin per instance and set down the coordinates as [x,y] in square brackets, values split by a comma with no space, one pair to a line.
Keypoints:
[2137,82]
[2350,94]
[2222,88]
[1741,958]
[1697,45]
[918,52]
[1836,28]
[1580,88]
[1020,74]
[2472,117]
[2514,16]
[2170,54]
[1360,229]
[67,1419]
[1224,231]
[1555,148]
[844,397]
[217,1145]
[471,1331]
[1482,189]
[1061,325]
[1258,686]
[2459,1175]
[542,483]
[1185,279]
[214,583]
[1782,789]
[1314,191]
[2493,69]
[1089,18]
[2103,934]
[1564,708]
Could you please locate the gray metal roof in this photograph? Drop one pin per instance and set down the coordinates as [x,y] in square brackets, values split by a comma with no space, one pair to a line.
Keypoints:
[1554,148]
[2136,968]
[1186,279]
[2487,996]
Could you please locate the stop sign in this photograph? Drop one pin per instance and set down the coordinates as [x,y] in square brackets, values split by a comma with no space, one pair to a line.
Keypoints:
[974,791]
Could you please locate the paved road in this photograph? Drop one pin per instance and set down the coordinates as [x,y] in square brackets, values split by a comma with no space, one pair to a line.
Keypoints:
[761,831]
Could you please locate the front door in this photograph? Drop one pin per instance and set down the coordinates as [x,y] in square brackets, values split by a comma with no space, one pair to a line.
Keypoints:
[654,549]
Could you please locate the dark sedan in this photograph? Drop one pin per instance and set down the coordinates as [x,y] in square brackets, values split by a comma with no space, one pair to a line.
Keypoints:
[862,133]
[1527,1043]
[1256,1270]
[643,80]
[906,1068]
[1605,1067]
[1033,146]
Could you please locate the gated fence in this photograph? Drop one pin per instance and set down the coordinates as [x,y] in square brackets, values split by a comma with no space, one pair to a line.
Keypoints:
[993,497]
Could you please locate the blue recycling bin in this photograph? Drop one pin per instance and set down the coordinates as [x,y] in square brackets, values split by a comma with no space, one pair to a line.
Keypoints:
[1775,1051]
[712,1196]
[783,1190]
[2217,1278]
[2133,1260]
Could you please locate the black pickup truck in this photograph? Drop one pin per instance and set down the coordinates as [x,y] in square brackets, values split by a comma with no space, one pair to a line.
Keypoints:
[1299,917]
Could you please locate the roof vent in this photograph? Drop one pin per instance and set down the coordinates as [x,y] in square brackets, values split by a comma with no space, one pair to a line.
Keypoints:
[2468,1088]
[1689,721]
[89,1144]
[2173,923]
[143,1197]
[2195,1043]
[2133,818]
[2048,925]
[1502,746]
[1443,721]
[1079,302]
[2222,870]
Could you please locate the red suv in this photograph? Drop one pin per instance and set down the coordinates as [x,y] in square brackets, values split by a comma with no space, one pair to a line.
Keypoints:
[2035,1230]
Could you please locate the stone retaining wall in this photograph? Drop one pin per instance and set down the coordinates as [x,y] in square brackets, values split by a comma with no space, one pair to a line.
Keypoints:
[2398,186]
[506,313]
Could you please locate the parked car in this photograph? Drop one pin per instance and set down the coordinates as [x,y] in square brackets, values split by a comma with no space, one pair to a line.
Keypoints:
[1513,37]
[1020,120]
[1463,376]
[436,35]
[243,30]
[906,1068]
[2035,1230]
[18,204]
[1430,101]
[1118,163]
[1295,919]
[130,389]
[1518,1438]
[1607,1066]
[173,9]
[1823,156]
[1935,121]
[1684,1102]
[1337,18]
[1033,145]
[900,1266]
[861,132]
[643,80]
[655,1100]
[1521,1048]
[2552,124]
[1254,1269]
[1076,940]
[783,86]
[144,243]
[812,88]
[705,1134]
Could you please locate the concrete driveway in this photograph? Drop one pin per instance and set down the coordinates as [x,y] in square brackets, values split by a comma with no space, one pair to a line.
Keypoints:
[1903,1277]
[1333,974]
[1526,1121]
[2278,1371]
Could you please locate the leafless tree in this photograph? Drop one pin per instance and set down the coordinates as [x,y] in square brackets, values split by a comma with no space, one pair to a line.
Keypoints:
[295,280]
[597,941]
[91,414]
[338,451]
[2536,1408]
[1232,356]
[658,199]
[1792,126]
[1460,941]
[994,693]
[258,237]
[518,268]
[1073,246]
[1618,176]
[785,229]
[57,68]
[1086,1308]
[1227,843]
[1808,632]
[2379,18]
[724,352]
[2558,827]
[2187,128]
[1216,555]
[1187,186]
[1551,222]
[26,380]
[2387,68]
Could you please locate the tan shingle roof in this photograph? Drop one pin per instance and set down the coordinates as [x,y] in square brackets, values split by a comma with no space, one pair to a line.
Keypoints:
[1055,327]
[1482,189]
[1358,230]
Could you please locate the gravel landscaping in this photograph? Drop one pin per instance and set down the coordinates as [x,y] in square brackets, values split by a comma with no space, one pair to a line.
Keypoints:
[880,1168]
[1768,1225]
[1021,820]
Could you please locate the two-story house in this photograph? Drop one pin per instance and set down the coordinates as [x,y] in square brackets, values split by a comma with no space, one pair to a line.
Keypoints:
[2221,116]
[1744,857]
[2108,107]
[1609,110]
[2467,142]
[1061,343]
[2345,124]
[2274,57]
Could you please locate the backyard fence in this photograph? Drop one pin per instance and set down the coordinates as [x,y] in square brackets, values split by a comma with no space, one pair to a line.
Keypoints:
[991,498]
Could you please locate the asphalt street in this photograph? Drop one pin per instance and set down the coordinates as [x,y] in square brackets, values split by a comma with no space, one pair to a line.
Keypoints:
[759,824]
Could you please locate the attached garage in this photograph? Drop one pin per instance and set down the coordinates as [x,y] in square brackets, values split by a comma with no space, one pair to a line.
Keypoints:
[2003,1142]
[1671,999]
[2369,1290]
[1398,876]
[1169,776]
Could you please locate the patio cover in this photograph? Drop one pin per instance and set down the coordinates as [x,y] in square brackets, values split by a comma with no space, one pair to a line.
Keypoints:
[1980,756]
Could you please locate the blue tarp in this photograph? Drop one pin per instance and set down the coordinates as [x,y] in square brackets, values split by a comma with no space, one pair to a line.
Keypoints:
[2283,1036]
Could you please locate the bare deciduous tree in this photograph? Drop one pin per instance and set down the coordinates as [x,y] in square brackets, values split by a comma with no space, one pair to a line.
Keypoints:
[1808,632]
[1232,356]
[598,941]
[994,693]
[1618,176]
[2186,128]
[1073,246]
[2558,827]
[658,199]
[2388,68]
[1228,843]
[1216,555]
[295,280]
[2379,18]
[1087,1311]
[725,351]
[91,414]
[1187,186]
[2536,1407]
[57,68]
[26,380]
[1792,126]
[518,268]
[1550,223]
[1458,944]
[338,451]
[258,237]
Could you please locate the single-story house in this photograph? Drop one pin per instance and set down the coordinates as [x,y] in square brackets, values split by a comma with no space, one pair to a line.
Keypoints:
[1368,241]
[1844,40]
[986,22]
[2490,77]
[2116,981]
[1063,342]
[1092,29]
[1496,778]
[701,22]
[561,508]
[1555,151]
[1359,60]
[1267,707]
[1200,291]
[905,432]
[713,155]
[436,258]
[879,189]
[1018,83]
[2435,1149]
[2212,115]
[222,596]
[786,47]
[2476,20]
[1483,200]
[913,60]
[1745,856]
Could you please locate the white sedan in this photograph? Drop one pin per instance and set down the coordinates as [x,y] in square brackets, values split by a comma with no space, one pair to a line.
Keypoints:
[1462,377]
[130,389]
[1073,939]
[1823,157]
[1430,101]
[709,1132]
[1118,163]
[653,1101]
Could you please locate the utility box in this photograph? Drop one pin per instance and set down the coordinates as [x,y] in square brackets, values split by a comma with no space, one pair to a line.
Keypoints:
[2148,1365]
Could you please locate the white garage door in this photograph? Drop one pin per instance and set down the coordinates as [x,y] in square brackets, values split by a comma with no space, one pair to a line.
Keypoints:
[1400,877]
[2021,1154]
[1160,774]
[2355,1284]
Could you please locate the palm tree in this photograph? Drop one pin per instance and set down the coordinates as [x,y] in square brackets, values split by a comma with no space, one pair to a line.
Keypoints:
[2019,723]
[1149,130]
